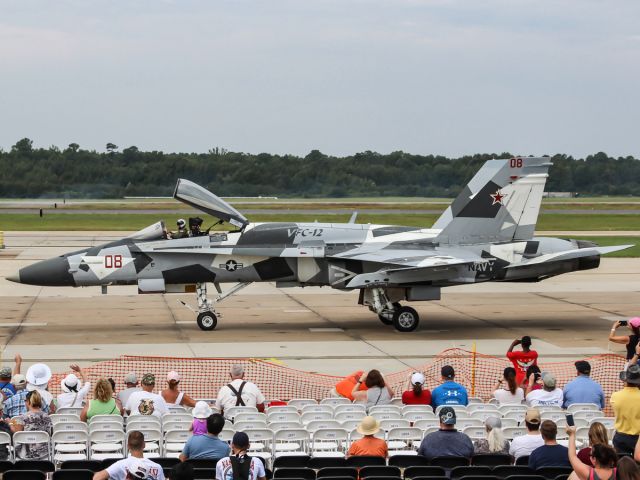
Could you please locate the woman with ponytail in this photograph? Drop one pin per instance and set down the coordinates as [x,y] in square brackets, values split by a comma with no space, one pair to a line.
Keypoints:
[495,441]
[510,393]
[34,419]
[416,394]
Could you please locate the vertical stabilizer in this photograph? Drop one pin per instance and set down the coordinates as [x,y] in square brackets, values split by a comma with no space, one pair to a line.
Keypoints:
[500,204]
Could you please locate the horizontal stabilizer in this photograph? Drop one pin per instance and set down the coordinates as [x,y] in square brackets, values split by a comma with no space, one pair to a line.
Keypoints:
[569,255]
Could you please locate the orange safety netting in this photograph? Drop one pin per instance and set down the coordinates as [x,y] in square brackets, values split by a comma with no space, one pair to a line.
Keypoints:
[202,377]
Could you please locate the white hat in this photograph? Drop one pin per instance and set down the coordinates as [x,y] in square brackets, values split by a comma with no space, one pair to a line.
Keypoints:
[70,382]
[137,468]
[202,410]
[38,375]
[173,375]
[417,377]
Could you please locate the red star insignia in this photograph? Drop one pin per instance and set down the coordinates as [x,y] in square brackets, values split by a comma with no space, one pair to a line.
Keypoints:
[498,197]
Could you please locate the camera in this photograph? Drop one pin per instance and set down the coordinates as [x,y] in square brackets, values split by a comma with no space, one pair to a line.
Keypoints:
[624,323]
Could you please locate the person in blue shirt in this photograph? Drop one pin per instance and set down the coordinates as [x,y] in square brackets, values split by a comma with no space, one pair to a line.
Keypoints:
[7,389]
[449,392]
[583,389]
[209,445]
[551,454]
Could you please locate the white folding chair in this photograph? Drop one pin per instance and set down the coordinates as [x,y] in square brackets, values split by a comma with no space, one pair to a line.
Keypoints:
[416,408]
[176,409]
[261,442]
[334,401]
[350,415]
[307,417]
[174,441]
[475,407]
[474,400]
[403,440]
[509,422]
[608,422]
[388,424]
[583,406]
[587,414]
[63,417]
[71,426]
[416,416]
[386,415]
[283,417]
[320,424]
[106,444]
[426,423]
[348,425]
[5,440]
[292,441]
[457,408]
[281,408]
[146,423]
[318,408]
[475,433]
[463,423]
[301,402]
[384,409]
[176,426]
[103,425]
[226,435]
[177,417]
[107,418]
[233,411]
[69,445]
[250,417]
[152,442]
[352,407]
[329,442]
[280,425]
[431,429]
[242,426]
[507,409]
[512,432]
[396,401]
[69,410]
[556,416]
[34,437]
[482,415]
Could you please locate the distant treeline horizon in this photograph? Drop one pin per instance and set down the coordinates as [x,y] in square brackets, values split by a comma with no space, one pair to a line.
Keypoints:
[73,172]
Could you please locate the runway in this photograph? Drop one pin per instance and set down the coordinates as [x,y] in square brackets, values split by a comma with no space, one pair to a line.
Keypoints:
[315,329]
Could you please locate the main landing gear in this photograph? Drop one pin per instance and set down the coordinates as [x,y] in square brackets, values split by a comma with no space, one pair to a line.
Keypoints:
[403,318]
[207,318]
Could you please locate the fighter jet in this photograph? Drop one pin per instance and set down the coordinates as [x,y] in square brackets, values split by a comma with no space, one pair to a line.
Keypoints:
[485,235]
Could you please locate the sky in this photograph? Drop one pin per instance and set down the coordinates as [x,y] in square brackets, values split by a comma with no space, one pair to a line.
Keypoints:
[341,76]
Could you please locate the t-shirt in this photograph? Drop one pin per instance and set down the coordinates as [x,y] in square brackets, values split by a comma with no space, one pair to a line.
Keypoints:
[582,389]
[224,470]
[205,446]
[118,470]
[626,408]
[521,361]
[199,427]
[124,395]
[251,395]
[369,446]
[523,445]
[549,456]
[449,393]
[378,396]
[505,397]
[73,399]
[409,398]
[446,443]
[146,403]
[542,398]
[7,389]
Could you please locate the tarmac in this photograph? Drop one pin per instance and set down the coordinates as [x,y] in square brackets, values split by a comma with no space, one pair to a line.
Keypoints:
[313,329]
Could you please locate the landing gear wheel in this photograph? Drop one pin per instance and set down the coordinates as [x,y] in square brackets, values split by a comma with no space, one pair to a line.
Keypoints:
[207,321]
[405,319]
[386,317]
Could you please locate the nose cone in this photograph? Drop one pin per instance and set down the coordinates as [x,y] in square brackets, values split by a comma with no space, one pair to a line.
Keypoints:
[49,273]
[14,278]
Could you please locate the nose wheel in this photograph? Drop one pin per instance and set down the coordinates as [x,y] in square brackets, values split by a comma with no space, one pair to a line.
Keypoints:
[207,321]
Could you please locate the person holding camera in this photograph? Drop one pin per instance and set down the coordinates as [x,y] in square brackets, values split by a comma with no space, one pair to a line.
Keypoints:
[522,359]
[630,341]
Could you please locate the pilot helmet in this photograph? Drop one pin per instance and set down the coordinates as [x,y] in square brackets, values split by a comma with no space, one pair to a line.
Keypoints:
[181,223]
[195,222]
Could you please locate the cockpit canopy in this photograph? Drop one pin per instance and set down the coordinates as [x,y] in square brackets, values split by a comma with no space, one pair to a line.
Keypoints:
[202,199]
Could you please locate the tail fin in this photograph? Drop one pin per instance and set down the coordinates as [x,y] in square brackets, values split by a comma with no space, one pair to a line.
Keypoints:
[500,204]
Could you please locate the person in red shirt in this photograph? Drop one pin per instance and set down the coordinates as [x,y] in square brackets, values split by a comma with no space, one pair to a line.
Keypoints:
[418,395]
[522,360]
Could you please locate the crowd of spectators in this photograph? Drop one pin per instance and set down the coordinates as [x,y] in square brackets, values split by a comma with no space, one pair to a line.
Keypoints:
[27,403]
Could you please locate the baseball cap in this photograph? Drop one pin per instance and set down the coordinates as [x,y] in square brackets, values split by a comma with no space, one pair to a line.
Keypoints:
[634,322]
[548,379]
[532,415]
[136,468]
[417,377]
[148,379]
[447,371]
[173,375]
[447,416]
[19,380]
[240,440]
[582,366]
[5,372]
[131,378]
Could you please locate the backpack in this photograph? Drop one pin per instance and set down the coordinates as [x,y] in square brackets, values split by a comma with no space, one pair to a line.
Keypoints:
[240,466]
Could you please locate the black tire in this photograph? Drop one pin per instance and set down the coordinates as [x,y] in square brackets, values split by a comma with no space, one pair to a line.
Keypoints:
[207,321]
[406,319]
[386,318]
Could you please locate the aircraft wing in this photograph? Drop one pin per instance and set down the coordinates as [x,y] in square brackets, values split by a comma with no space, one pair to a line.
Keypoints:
[569,255]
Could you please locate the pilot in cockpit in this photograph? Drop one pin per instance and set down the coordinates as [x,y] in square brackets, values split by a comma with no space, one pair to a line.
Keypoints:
[195,223]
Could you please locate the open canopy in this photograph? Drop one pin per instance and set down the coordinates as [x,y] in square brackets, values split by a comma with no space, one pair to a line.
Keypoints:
[202,199]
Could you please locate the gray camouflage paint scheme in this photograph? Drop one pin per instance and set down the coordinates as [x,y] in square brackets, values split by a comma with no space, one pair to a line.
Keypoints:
[486,234]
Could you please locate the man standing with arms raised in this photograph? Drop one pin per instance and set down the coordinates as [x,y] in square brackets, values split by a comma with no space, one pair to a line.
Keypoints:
[522,359]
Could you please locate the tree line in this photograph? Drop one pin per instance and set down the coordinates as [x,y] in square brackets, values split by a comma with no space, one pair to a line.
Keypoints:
[29,172]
